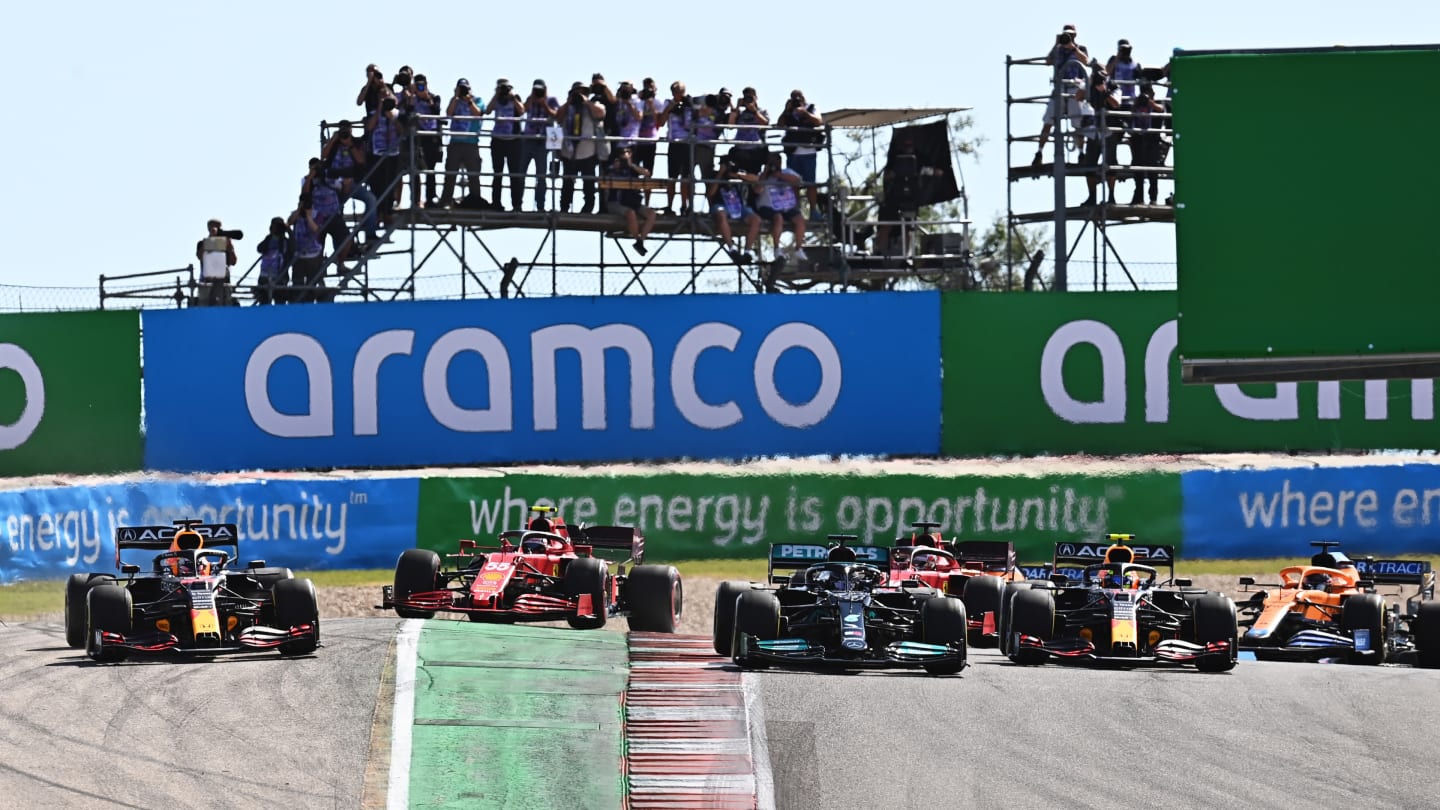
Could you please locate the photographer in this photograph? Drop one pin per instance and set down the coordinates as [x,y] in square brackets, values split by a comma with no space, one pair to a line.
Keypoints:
[505,145]
[277,251]
[1145,144]
[1071,57]
[749,119]
[541,108]
[803,138]
[727,200]
[425,105]
[776,200]
[308,273]
[582,118]
[216,255]
[326,209]
[385,156]
[464,150]
[639,218]
[370,94]
[344,165]
[601,92]
[650,106]
[706,130]
[677,116]
[1101,131]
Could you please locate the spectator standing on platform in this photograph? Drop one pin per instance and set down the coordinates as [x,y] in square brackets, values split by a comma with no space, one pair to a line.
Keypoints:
[583,120]
[627,116]
[803,139]
[1073,58]
[541,110]
[777,201]
[644,152]
[425,104]
[369,96]
[385,156]
[677,116]
[326,209]
[748,118]
[277,251]
[505,145]
[1124,73]
[706,130]
[639,218]
[728,202]
[308,273]
[1145,145]
[1100,133]
[464,150]
[600,91]
[344,165]
[216,255]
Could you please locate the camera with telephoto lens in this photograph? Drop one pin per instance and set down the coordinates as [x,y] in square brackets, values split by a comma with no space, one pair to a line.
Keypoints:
[235,234]
[647,94]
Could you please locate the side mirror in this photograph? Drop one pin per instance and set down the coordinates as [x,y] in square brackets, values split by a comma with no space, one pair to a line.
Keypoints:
[1365,585]
[1247,581]
[255,564]
[129,569]
[467,545]
[1059,580]
[1183,583]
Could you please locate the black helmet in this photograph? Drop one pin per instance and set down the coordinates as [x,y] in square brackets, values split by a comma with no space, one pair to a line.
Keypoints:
[1316,582]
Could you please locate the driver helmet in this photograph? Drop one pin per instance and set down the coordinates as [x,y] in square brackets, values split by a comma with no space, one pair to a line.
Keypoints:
[534,544]
[184,540]
[1316,582]
[1110,579]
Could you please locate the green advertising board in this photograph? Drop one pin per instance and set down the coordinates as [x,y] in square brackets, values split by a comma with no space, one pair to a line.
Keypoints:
[69,393]
[1292,239]
[687,517]
[1098,373]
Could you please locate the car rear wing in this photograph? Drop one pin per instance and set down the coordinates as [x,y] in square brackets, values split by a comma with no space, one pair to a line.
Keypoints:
[611,538]
[1394,572]
[794,556]
[989,553]
[161,538]
[1083,554]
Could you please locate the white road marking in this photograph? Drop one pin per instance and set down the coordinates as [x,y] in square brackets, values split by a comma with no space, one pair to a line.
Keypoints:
[759,746]
[402,717]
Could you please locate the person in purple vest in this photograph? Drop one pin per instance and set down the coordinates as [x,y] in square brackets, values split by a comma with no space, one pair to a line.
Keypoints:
[344,161]
[749,120]
[277,251]
[541,110]
[463,152]
[308,272]
[505,144]
[424,105]
[777,200]
[802,142]
[385,155]
[1124,73]
[678,118]
[643,152]
[326,209]
[1072,57]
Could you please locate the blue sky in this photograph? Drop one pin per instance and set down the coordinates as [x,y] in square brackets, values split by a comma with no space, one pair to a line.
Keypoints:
[131,124]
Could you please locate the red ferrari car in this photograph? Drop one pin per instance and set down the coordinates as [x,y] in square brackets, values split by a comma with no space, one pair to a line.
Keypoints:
[974,570]
[545,572]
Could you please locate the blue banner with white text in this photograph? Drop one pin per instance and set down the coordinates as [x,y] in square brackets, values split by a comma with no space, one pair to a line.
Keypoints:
[305,524]
[555,380]
[1378,510]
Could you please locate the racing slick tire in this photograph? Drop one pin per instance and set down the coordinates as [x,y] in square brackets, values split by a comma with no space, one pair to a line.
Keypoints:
[1002,620]
[983,595]
[1032,613]
[295,604]
[107,609]
[588,575]
[656,598]
[415,572]
[76,589]
[725,597]
[943,621]
[1425,630]
[757,613]
[1215,621]
[1366,611]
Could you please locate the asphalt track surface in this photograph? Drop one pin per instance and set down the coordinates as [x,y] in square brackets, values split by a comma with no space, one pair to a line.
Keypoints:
[1281,735]
[251,730]
[259,730]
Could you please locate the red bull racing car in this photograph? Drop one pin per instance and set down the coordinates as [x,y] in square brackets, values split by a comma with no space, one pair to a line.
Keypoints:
[1117,610]
[544,572]
[194,599]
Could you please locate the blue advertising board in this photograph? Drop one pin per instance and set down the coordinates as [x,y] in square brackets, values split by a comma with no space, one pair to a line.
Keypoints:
[555,380]
[1372,510]
[297,523]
